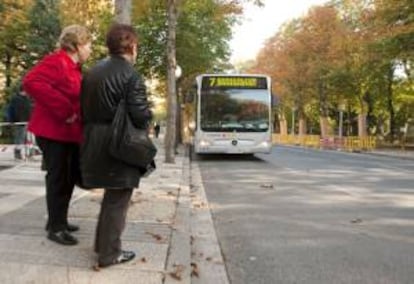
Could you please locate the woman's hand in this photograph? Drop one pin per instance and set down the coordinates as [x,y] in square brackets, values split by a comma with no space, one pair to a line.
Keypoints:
[72,119]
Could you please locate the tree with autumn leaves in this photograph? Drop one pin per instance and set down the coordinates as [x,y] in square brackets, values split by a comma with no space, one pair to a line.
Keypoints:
[348,53]
[190,33]
[203,29]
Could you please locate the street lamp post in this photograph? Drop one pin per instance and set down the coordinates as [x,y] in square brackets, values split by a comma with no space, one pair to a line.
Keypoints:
[341,119]
[292,131]
[178,138]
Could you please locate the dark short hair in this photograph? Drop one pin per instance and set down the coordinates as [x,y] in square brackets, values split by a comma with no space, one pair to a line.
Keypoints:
[120,39]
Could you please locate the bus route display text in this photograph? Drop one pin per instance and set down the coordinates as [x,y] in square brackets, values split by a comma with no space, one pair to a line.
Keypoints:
[213,82]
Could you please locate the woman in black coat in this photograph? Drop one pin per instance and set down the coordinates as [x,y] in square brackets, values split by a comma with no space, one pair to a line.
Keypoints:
[102,89]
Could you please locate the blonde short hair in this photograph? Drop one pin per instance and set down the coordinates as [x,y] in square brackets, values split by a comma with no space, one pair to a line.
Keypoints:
[72,36]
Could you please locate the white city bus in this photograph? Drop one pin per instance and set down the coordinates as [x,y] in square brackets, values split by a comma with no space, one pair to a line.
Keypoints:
[232,114]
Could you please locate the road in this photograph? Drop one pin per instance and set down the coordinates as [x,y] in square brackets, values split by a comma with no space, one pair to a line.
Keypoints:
[309,216]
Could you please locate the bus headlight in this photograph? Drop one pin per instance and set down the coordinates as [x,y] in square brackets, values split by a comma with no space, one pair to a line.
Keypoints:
[204,143]
[264,144]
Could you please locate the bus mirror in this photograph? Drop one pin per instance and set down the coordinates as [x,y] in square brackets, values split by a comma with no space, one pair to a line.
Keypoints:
[192,125]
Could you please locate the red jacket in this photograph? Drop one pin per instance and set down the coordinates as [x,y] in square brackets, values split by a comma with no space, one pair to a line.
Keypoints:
[54,84]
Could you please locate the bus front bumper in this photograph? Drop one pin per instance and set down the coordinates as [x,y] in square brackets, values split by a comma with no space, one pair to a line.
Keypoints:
[205,148]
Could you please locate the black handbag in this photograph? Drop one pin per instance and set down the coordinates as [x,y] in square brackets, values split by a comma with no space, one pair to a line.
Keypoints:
[128,143]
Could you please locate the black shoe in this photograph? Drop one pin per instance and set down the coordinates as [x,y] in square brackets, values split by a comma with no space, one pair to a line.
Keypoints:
[72,228]
[69,228]
[63,238]
[124,257]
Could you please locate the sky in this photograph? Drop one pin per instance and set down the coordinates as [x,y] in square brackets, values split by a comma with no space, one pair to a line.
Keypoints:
[259,24]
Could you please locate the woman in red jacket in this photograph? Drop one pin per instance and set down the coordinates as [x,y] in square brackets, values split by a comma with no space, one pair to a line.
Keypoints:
[54,84]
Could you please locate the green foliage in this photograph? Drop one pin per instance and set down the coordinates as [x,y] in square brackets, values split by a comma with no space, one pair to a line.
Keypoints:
[203,31]
[44,30]
[30,28]
[13,38]
[202,36]
[353,52]
[152,28]
[96,15]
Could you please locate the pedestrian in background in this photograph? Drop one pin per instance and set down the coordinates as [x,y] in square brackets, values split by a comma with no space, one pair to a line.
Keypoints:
[18,112]
[54,84]
[103,87]
[157,129]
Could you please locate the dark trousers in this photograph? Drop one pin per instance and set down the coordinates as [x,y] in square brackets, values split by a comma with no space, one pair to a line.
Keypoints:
[111,224]
[62,169]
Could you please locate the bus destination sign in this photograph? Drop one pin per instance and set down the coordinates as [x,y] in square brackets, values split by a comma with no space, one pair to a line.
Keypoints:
[237,82]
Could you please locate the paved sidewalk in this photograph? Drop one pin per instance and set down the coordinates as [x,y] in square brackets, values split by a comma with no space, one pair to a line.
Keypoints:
[170,228]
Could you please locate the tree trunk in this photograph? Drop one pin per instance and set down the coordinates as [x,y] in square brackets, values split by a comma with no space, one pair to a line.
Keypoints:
[275,123]
[362,124]
[302,122]
[283,125]
[171,83]
[8,71]
[123,11]
[302,126]
[324,113]
[324,124]
[390,104]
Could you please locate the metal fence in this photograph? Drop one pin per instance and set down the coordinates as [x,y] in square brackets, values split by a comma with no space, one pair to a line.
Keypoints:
[349,143]
[16,140]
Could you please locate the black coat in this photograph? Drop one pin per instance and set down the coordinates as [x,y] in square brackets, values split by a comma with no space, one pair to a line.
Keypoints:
[102,90]
[19,109]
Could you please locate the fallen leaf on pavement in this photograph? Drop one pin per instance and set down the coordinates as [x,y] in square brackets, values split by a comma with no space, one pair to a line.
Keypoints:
[96,267]
[200,205]
[133,201]
[266,185]
[155,236]
[194,270]
[218,262]
[178,271]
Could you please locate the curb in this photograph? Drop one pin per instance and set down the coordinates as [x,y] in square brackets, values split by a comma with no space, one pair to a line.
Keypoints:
[178,259]
[207,260]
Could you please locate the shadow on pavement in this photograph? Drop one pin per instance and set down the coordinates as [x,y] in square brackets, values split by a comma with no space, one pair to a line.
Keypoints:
[225,157]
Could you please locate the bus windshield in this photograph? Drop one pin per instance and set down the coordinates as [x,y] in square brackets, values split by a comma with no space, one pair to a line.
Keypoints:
[228,110]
